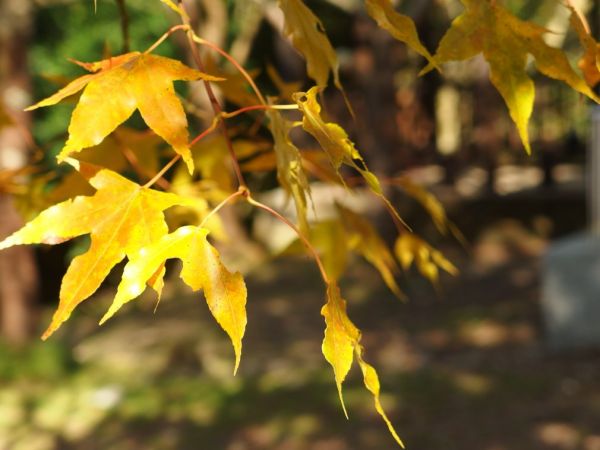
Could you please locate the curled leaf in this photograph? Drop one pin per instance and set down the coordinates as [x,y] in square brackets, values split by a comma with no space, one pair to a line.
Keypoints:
[308,36]
[411,249]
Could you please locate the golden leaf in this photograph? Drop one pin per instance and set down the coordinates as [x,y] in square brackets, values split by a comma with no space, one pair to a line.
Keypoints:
[119,86]
[225,292]
[410,248]
[365,240]
[371,380]
[121,217]
[308,37]
[401,27]
[290,172]
[505,42]
[340,344]
[341,336]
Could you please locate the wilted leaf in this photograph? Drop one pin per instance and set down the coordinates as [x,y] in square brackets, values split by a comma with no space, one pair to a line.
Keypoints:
[365,240]
[428,201]
[341,343]
[371,380]
[308,36]
[290,172]
[121,217]
[334,140]
[411,249]
[401,27]
[506,41]
[225,292]
[119,86]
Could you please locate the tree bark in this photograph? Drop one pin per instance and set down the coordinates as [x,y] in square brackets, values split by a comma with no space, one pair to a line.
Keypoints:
[18,274]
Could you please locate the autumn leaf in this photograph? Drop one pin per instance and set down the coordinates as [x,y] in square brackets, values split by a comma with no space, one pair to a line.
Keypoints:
[225,292]
[334,140]
[411,249]
[290,172]
[365,240]
[590,61]
[308,37]
[505,42]
[401,27]
[118,87]
[121,217]
[371,381]
[341,343]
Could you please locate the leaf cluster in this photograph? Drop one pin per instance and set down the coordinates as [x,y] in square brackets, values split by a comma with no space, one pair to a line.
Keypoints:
[118,194]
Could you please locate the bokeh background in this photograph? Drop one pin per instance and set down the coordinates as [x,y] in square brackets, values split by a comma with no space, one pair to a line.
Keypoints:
[466,366]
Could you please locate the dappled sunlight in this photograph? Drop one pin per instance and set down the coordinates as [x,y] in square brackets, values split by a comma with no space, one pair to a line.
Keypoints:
[558,435]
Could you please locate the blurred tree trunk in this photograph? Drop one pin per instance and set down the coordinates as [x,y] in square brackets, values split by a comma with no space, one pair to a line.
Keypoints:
[18,274]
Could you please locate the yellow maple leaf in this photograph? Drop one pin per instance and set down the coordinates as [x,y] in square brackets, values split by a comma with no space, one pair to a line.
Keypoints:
[341,343]
[410,248]
[119,86]
[364,239]
[308,37]
[401,27]
[334,140]
[290,172]
[505,42]
[121,217]
[225,292]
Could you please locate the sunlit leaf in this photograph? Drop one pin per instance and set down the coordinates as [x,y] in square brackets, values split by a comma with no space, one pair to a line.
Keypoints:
[341,344]
[371,380]
[308,36]
[225,292]
[505,42]
[341,337]
[401,27]
[365,240]
[334,140]
[411,249]
[119,86]
[121,217]
[290,172]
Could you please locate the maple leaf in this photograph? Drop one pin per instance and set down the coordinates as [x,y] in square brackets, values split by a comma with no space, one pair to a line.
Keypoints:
[340,344]
[364,239]
[505,42]
[401,27]
[118,87]
[290,172]
[590,61]
[121,217]
[308,37]
[225,292]
[410,248]
[334,140]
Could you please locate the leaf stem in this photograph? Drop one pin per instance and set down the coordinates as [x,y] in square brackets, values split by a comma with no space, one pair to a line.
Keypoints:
[211,95]
[240,192]
[210,129]
[168,33]
[303,238]
[232,60]
[162,171]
